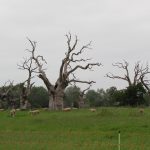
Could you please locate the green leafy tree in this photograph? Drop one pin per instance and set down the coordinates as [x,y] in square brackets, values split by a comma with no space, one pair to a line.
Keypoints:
[38,97]
[134,95]
[72,94]
[119,98]
[110,96]
[103,97]
[146,97]
[94,98]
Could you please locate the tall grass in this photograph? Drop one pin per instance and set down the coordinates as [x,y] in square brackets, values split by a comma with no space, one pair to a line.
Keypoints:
[76,130]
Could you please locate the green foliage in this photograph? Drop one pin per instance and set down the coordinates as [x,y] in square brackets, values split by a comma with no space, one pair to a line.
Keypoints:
[118,98]
[134,95]
[146,97]
[131,96]
[39,97]
[72,96]
[94,98]
[111,96]
[102,97]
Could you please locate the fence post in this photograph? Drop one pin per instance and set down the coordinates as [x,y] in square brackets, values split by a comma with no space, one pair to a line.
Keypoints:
[118,140]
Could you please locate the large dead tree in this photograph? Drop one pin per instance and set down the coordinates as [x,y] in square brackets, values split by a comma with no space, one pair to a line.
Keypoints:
[70,64]
[26,86]
[139,74]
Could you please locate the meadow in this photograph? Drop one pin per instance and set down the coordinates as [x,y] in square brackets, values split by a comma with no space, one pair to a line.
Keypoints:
[76,130]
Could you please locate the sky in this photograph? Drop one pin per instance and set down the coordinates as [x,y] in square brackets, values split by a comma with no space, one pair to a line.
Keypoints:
[118,29]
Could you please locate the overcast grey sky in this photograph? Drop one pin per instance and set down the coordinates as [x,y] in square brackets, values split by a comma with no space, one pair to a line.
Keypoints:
[119,29]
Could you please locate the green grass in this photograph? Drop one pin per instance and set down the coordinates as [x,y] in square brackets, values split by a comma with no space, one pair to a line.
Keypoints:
[76,130]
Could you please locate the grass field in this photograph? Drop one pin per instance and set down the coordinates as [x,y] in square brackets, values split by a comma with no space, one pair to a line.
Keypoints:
[76,130]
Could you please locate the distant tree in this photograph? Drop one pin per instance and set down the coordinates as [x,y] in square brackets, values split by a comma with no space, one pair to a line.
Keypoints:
[144,79]
[110,95]
[26,86]
[136,84]
[119,98]
[6,96]
[72,94]
[146,97]
[134,95]
[82,97]
[103,97]
[38,97]
[70,64]
[94,98]
[139,73]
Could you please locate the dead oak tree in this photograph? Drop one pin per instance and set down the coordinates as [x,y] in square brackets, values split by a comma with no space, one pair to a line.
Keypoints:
[26,86]
[82,96]
[139,73]
[66,71]
[144,79]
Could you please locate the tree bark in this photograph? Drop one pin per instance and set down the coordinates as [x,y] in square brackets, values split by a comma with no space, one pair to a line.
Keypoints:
[51,103]
[56,100]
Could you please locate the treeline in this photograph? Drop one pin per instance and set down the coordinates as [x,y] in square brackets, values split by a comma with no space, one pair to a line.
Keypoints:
[130,96]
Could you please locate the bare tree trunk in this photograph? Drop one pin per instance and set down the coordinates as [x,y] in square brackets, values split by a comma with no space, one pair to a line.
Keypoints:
[51,103]
[23,97]
[56,101]
[59,103]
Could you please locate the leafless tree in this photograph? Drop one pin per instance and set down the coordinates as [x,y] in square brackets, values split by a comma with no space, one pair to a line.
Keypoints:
[26,86]
[82,96]
[139,73]
[144,78]
[66,71]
